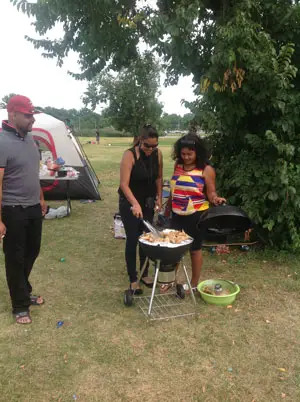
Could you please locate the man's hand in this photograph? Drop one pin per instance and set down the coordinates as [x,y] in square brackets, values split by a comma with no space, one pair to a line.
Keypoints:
[44,207]
[2,230]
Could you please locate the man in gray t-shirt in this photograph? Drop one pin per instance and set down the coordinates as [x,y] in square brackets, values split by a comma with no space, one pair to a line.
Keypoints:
[22,204]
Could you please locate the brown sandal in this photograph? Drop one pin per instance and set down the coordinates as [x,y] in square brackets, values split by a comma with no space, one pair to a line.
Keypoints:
[187,290]
[36,300]
[20,316]
[165,287]
[135,291]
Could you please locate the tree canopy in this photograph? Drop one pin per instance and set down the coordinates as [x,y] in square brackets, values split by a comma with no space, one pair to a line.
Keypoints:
[5,99]
[174,122]
[85,121]
[243,55]
[131,95]
[96,29]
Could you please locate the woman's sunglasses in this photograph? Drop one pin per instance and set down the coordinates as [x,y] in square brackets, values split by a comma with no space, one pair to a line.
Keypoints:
[146,145]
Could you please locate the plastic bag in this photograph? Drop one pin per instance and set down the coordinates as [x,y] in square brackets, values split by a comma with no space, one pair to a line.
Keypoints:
[62,211]
[51,214]
[119,231]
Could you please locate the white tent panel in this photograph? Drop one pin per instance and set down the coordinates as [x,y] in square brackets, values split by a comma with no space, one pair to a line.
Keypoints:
[53,130]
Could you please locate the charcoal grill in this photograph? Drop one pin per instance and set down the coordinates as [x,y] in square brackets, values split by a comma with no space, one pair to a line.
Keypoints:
[224,222]
[167,258]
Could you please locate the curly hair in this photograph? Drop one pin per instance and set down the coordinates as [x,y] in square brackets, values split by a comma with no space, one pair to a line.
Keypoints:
[195,143]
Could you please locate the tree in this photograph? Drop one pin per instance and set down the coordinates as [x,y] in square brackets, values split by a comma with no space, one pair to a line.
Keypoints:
[187,121]
[131,95]
[250,103]
[174,122]
[5,99]
[243,56]
[102,31]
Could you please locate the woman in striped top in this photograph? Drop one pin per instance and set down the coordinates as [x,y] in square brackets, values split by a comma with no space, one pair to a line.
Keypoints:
[192,190]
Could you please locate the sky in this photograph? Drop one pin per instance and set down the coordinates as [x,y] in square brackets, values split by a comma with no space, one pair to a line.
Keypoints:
[23,70]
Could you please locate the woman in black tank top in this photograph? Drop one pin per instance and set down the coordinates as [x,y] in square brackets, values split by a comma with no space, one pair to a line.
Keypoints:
[140,194]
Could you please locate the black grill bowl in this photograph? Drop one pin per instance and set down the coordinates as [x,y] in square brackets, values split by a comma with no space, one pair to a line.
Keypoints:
[224,220]
[167,255]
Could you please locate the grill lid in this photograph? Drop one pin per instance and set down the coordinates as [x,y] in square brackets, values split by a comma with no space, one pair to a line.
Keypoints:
[225,220]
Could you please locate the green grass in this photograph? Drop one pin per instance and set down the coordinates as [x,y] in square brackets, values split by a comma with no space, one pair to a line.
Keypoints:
[108,352]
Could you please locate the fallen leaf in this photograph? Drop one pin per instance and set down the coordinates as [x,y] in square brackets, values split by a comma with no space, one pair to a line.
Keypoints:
[282,369]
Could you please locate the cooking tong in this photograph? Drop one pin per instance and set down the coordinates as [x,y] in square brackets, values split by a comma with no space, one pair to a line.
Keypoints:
[153,230]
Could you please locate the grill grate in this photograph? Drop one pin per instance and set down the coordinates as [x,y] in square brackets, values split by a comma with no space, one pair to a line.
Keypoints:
[166,306]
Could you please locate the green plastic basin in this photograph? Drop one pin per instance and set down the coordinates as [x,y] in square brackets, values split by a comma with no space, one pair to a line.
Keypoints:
[221,300]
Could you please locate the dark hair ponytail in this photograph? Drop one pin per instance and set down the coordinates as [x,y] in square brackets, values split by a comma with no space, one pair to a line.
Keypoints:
[147,131]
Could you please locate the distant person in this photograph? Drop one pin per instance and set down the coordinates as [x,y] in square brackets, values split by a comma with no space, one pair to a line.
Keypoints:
[97,137]
[22,204]
[140,195]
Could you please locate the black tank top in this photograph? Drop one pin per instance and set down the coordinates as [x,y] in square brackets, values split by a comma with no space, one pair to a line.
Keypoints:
[143,176]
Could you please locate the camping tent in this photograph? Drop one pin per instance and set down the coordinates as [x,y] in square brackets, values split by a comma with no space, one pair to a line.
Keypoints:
[54,140]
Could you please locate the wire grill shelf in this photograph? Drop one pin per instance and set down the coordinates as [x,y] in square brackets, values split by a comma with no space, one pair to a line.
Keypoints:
[166,306]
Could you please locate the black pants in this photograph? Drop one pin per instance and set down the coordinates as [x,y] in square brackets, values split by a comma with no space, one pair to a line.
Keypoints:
[21,246]
[133,229]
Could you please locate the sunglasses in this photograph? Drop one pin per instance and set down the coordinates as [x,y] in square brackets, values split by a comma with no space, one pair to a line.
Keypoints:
[146,145]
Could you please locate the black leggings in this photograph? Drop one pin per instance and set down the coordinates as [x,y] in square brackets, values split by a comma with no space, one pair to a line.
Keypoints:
[134,227]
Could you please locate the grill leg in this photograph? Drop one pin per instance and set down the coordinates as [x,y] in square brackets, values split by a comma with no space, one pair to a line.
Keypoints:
[188,282]
[142,271]
[157,266]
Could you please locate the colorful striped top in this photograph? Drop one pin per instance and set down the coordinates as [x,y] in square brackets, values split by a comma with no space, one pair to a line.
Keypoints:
[187,191]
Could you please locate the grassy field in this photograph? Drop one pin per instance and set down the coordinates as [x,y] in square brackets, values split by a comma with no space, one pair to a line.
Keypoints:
[105,351]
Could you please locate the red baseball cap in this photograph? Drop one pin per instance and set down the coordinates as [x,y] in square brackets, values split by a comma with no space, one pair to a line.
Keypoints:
[22,104]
